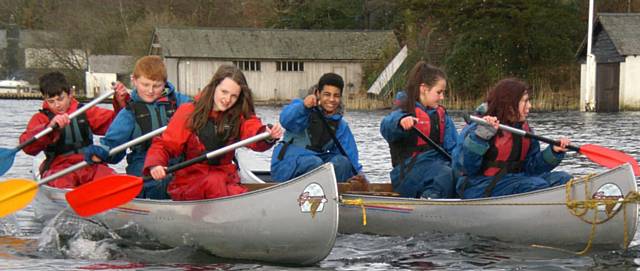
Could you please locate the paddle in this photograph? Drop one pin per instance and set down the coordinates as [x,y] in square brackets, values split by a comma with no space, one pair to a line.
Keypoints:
[105,193]
[598,154]
[433,144]
[15,194]
[7,156]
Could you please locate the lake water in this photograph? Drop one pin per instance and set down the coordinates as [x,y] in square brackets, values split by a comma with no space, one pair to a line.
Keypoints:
[69,243]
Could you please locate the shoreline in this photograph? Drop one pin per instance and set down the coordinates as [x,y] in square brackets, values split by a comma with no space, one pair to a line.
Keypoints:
[552,105]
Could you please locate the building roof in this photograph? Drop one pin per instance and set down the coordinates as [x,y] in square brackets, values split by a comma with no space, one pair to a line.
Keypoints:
[32,38]
[111,63]
[229,43]
[622,28]
[38,38]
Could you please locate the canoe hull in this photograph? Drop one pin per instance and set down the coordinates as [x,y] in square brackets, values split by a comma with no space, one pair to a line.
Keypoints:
[523,218]
[291,223]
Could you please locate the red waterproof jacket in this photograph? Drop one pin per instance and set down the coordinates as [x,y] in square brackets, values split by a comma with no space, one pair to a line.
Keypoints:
[202,180]
[99,121]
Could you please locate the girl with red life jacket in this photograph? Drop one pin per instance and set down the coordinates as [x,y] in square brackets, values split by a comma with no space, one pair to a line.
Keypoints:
[418,169]
[496,162]
[221,115]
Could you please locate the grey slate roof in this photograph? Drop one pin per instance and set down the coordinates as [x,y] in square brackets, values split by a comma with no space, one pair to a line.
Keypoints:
[623,29]
[38,38]
[111,63]
[31,38]
[231,43]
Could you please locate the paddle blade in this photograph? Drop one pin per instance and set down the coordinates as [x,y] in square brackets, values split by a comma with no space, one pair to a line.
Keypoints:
[16,194]
[103,194]
[608,157]
[6,159]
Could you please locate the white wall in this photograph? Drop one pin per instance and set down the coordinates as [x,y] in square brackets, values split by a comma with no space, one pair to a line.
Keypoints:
[267,84]
[98,83]
[630,83]
[583,86]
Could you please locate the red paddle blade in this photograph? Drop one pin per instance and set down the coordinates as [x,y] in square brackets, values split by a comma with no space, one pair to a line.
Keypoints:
[103,194]
[608,157]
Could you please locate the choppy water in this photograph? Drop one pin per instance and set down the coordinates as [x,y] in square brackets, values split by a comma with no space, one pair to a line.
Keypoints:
[70,243]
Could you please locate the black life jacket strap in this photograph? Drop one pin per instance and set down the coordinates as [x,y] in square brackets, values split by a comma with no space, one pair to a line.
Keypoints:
[284,148]
[335,139]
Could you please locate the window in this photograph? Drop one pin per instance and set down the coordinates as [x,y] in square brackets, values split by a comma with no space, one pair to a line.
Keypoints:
[248,65]
[289,66]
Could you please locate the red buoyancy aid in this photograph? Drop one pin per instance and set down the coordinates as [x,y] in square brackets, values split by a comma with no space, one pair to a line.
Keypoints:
[506,152]
[432,125]
[434,129]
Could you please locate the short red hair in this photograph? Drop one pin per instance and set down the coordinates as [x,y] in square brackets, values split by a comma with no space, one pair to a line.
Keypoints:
[151,67]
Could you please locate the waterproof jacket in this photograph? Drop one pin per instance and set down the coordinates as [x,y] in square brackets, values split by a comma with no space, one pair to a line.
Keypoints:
[295,118]
[426,173]
[99,121]
[201,180]
[469,158]
[125,128]
[392,131]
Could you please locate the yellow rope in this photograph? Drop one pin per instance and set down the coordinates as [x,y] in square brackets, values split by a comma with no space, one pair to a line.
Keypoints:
[578,208]
[357,202]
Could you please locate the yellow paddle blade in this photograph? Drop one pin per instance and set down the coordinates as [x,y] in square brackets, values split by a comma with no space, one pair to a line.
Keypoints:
[16,194]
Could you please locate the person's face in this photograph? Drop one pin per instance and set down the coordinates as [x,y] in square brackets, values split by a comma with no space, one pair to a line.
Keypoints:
[226,94]
[148,90]
[431,96]
[523,107]
[59,104]
[329,99]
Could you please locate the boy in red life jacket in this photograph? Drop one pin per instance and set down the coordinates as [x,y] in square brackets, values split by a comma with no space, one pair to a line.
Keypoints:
[419,170]
[221,115]
[495,162]
[64,146]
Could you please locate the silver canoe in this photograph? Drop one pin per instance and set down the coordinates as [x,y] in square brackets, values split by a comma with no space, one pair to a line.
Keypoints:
[290,223]
[540,217]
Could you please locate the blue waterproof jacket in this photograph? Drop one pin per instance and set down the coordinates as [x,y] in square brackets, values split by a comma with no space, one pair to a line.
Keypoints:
[392,131]
[421,177]
[469,155]
[295,119]
[123,129]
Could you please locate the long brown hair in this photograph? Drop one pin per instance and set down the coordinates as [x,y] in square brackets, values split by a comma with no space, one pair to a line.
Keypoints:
[421,73]
[204,105]
[504,99]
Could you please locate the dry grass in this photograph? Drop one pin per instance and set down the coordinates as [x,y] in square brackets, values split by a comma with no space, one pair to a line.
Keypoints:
[541,100]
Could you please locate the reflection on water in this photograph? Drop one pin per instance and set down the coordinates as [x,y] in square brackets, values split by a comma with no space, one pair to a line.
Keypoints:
[77,244]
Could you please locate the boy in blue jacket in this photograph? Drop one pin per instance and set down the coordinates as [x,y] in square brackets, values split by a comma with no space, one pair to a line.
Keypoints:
[312,126]
[152,103]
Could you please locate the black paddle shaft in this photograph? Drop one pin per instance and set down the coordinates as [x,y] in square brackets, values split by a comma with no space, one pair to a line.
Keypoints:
[214,153]
[433,144]
[525,133]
